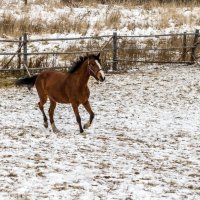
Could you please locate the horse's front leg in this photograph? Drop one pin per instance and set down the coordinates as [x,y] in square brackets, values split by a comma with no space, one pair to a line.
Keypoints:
[51,113]
[89,110]
[78,118]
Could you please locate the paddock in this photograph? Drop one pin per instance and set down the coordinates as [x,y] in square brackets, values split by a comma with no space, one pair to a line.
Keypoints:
[143,144]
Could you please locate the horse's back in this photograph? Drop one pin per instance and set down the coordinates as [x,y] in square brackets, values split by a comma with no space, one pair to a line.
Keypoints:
[51,77]
[47,74]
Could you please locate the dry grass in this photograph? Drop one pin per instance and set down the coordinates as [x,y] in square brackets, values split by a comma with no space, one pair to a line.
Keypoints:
[11,26]
[113,19]
[146,3]
[131,26]
[81,26]
[6,82]
[171,15]
[98,26]
[7,24]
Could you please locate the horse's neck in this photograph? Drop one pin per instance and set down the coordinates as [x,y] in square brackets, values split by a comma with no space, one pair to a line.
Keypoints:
[81,76]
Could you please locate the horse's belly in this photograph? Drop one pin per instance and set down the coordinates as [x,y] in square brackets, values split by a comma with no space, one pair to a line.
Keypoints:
[59,99]
[62,100]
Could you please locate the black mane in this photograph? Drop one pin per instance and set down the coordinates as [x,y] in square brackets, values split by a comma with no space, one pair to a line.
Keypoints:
[76,65]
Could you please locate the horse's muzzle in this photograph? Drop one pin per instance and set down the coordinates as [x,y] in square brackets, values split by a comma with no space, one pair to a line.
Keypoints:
[102,79]
[101,76]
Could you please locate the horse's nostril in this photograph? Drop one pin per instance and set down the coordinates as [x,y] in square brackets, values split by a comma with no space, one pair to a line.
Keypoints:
[102,78]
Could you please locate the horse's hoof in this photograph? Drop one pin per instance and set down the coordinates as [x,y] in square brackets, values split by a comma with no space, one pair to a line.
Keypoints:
[81,131]
[84,134]
[46,124]
[54,128]
[87,125]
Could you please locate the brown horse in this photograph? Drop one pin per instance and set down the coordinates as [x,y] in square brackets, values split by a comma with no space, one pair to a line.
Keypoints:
[67,87]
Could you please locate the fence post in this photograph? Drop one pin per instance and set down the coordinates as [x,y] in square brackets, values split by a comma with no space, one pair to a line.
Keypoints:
[114,51]
[194,46]
[184,46]
[19,53]
[25,49]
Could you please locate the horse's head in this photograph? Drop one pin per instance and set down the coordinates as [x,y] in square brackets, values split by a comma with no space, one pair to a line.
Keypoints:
[94,67]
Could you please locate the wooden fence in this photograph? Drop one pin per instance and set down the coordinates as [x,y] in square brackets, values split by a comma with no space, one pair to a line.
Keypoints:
[118,50]
[181,49]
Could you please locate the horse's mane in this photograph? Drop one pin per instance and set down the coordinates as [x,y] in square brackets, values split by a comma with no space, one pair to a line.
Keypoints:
[76,65]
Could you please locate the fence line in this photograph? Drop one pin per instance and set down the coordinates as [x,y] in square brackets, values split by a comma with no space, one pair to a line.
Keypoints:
[7,40]
[53,53]
[68,39]
[156,35]
[159,62]
[115,48]
[31,69]
[157,49]
[63,53]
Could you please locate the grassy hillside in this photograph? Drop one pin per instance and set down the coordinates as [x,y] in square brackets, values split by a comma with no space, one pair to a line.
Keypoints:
[66,16]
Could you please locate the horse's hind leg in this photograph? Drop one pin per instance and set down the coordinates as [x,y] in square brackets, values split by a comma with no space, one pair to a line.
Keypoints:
[51,113]
[43,100]
[89,110]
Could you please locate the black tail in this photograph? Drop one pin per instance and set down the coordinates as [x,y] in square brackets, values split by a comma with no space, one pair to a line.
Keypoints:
[27,81]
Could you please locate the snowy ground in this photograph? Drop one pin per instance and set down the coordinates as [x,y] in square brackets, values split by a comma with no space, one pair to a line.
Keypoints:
[132,21]
[144,143]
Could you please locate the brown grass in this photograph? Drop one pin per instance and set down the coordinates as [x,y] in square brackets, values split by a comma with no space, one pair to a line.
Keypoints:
[171,15]
[113,19]
[11,26]
[6,82]
[98,26]
[7,24]
[147,3]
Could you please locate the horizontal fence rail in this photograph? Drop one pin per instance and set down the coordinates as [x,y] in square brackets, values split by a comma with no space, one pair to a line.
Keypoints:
[118,49]
[156,49]
[156,35]
[67,39]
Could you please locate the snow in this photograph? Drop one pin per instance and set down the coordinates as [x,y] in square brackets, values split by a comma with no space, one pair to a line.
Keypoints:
[137,15]
[143,144]
[141,17]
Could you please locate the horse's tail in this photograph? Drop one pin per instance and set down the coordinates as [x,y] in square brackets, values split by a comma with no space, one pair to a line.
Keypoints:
[27,81]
